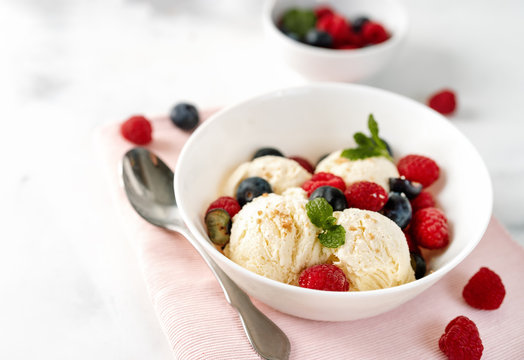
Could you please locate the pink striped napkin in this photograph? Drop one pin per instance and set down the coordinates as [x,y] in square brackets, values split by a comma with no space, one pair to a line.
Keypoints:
[200,324]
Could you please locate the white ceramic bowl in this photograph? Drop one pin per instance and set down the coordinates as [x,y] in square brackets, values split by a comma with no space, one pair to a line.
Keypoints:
[311,121]
[337,65]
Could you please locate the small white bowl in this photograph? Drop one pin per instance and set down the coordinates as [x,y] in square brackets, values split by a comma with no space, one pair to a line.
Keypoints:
[310,121]
[317,63]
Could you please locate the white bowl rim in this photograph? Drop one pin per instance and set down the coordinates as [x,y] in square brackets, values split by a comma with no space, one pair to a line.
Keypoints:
[315,86]
[395,38]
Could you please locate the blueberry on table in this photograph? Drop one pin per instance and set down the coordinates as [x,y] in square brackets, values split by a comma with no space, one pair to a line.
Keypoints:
[185,116]
[401,185]
[358,22]
[418,264]
[398,209]
[319,38]
[250,188]
[334,196]
[267,151]
[218,223]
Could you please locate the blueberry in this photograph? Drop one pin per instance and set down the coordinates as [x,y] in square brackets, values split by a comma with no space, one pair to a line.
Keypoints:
[334,196]
[267,151]
[185,116]
[358,23]
[250,188]
[400,185]
[319,38]
[218,223]
[418,264]
[398,209]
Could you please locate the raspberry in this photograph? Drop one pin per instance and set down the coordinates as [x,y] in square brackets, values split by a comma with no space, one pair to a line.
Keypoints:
[429,228]
[322,11]
[422,201]
[443,101]
[347,47]
[304,163]
[323,179]
[137,129]
[336,26]
[461,340]
[484,290]
[374,33]
[227,203]
[418,168]
[366,195]
[412,245]
[324,277]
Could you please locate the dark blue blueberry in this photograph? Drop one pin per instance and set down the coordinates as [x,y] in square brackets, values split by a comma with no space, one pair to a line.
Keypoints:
[400,185]
[398,209]
[267,151]
[358,23]
[319,38]
[185,116]
[250,188]
[218,224]
[418,264]
[334,196]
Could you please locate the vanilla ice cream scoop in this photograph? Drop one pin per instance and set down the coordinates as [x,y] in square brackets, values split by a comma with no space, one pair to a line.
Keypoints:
[375,254]
[273,237]
[375,169]
[280,172]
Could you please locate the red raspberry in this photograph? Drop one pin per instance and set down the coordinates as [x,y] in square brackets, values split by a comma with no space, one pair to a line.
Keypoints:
[304,163]
[336,26]
[347,47]
[322,11]
[374,33]
[366,195]
[429,228]
[418,168]
[484,290]
[324,277]
[461,340]
[227,203]
[137,129]
[323,179]
[422,201]
[444,102]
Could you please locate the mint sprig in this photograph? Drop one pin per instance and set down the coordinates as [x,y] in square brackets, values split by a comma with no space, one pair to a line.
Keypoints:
[320,212]
[299,21]
[367,146]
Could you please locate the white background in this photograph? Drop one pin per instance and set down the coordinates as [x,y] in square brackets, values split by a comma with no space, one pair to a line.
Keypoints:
[71,288]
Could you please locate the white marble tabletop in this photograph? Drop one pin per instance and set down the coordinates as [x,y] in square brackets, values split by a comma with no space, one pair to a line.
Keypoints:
[71,288]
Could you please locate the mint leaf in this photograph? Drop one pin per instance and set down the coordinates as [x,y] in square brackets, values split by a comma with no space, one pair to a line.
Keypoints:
[329,222]
[367,146]
[318,210]
[299,21]
[333,237]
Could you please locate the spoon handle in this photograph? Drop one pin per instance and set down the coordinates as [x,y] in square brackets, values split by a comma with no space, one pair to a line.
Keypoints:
[264,335]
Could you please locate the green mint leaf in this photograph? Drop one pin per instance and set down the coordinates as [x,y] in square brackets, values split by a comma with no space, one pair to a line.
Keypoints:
[299,21]
[373,127]
[318,210]
[329,222]
[334,237]
[362,139]
[359,153]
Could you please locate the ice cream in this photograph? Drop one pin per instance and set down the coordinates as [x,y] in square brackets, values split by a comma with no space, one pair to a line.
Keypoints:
[375,169]
[280,172]
[375,254]
[273,237]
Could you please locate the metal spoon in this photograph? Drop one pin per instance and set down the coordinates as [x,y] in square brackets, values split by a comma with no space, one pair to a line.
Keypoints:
[148,184]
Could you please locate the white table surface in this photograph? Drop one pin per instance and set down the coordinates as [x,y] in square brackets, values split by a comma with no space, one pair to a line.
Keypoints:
[71,288]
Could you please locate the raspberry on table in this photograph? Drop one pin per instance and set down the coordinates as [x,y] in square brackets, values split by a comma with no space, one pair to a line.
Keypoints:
[429,228]
[366,195]
[444,102]
[137,129]
[461,340]
[323,179]
[422,201]
[484,290]
[304,163]
[418,168]
[227,203]
[324,277]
